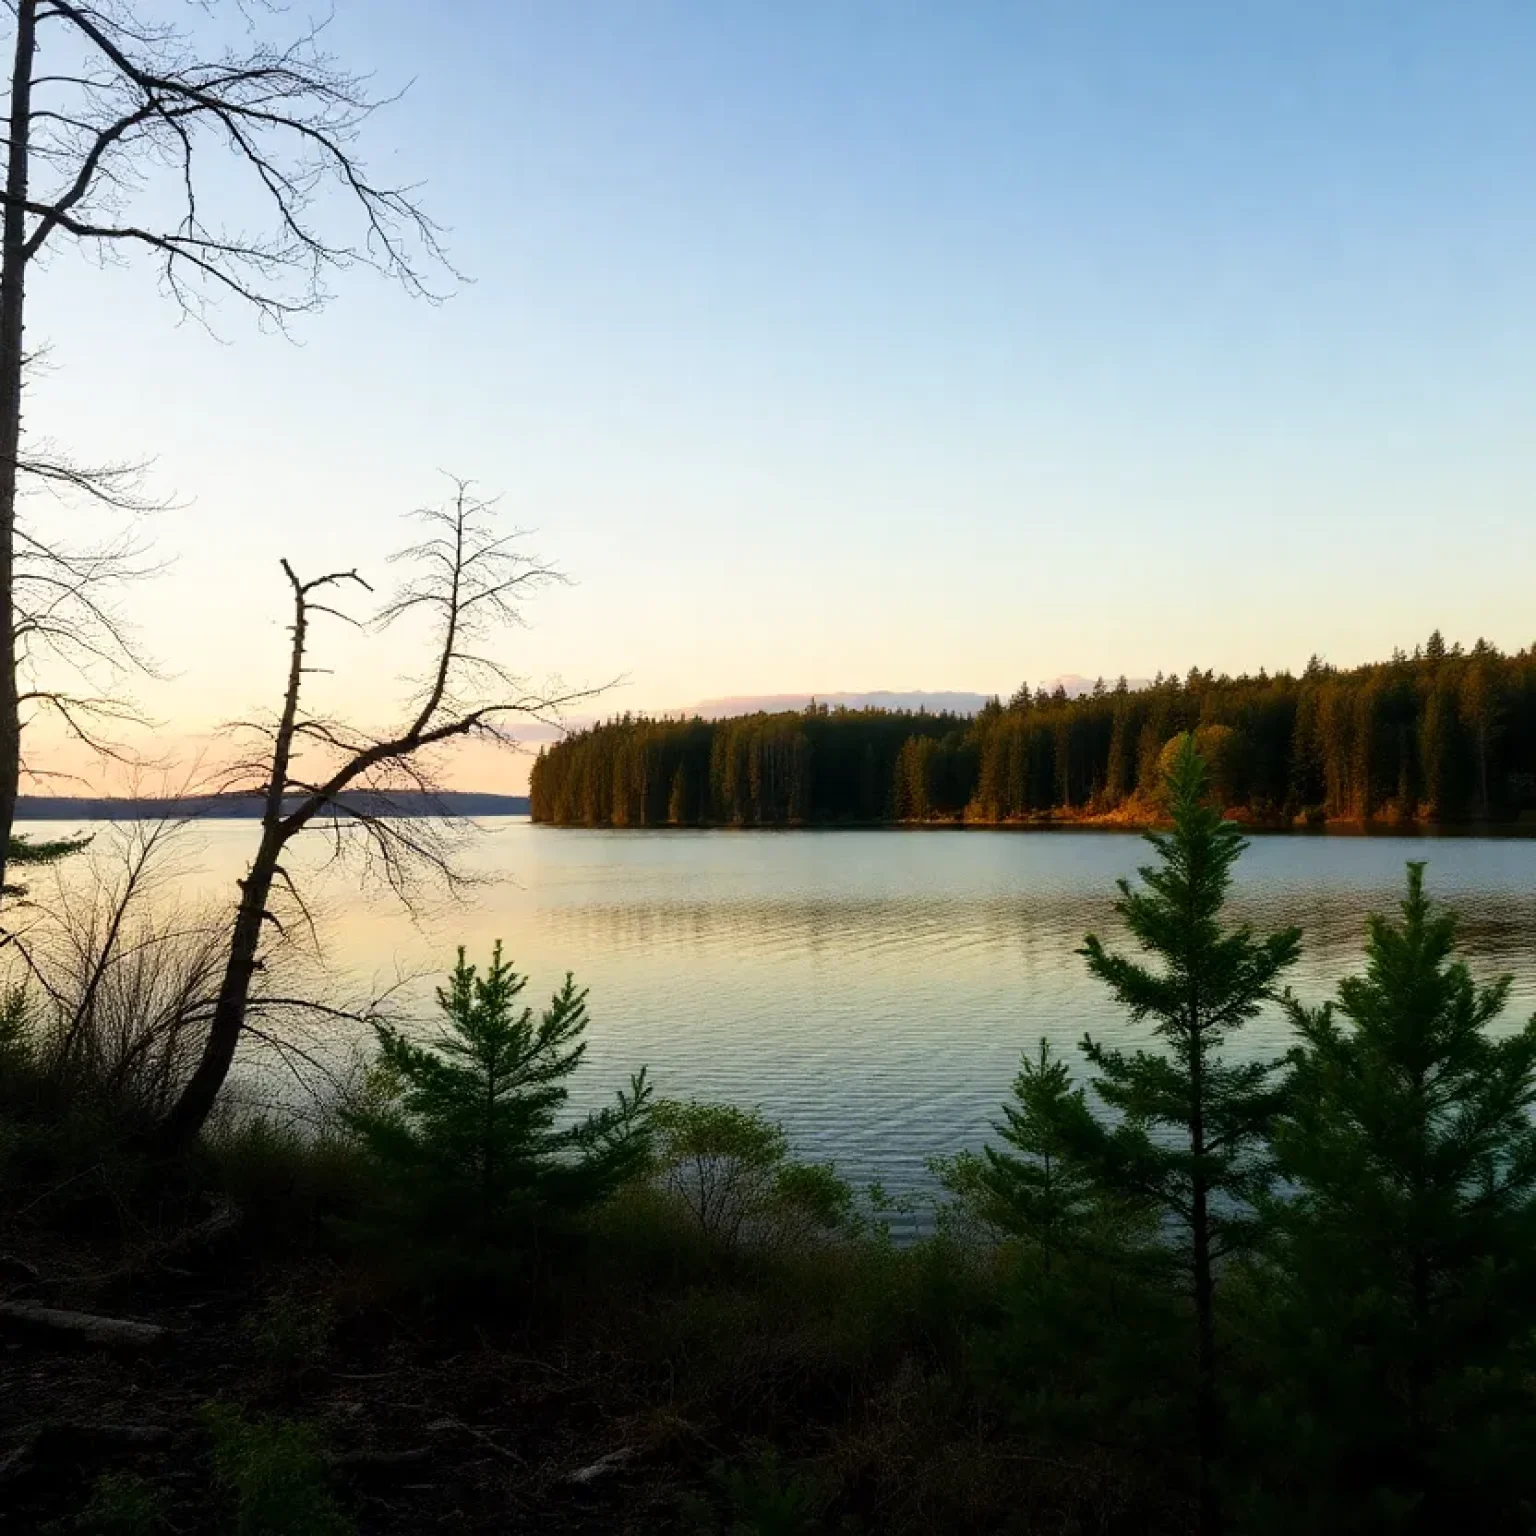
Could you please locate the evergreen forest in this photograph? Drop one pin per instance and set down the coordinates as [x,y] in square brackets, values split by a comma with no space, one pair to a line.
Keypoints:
[1444,735]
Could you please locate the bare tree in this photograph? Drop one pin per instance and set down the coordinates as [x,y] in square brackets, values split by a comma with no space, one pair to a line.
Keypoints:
[467,581]
[76,654]
[125,124]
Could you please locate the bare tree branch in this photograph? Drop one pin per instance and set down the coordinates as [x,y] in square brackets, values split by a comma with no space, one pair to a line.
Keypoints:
[347,782]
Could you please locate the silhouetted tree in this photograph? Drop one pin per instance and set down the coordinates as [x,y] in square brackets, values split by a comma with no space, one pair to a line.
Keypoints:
[134,97]
[466,580]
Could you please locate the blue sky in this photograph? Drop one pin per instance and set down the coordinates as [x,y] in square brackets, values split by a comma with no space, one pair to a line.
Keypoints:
[888,345]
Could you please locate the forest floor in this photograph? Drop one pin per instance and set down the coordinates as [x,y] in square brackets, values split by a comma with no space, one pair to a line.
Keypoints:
[421,1430]
[740,1404]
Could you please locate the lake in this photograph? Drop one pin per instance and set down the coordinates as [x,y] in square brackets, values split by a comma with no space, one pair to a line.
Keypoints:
[871,989]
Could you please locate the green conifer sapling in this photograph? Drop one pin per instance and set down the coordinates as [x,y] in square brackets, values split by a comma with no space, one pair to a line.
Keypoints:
[1192,1126]
[474,1122]
[1409,1247]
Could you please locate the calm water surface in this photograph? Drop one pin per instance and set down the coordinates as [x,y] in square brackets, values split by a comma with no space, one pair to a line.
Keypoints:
[871,989]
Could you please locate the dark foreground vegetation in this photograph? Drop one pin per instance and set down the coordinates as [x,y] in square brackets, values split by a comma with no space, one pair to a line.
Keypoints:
[1220,1294]
[1441,736]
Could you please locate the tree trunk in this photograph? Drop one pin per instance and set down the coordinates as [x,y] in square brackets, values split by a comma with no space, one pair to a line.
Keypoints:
[1207,1409]
[190,1112]
[13,264]
[1482,767]
[192,1109]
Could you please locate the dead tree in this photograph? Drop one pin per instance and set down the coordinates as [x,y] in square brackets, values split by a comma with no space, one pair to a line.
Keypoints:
[467,581]
[126,122]
[123,977]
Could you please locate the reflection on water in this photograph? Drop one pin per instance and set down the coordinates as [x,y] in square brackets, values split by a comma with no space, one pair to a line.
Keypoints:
[873,989]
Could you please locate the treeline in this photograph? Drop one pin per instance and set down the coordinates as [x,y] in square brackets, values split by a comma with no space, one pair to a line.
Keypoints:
[1442,735]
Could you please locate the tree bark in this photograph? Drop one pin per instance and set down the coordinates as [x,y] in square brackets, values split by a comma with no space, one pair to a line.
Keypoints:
[13,265]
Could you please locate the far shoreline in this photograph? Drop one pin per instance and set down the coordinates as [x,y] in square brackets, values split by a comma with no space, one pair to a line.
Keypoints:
[1346,828]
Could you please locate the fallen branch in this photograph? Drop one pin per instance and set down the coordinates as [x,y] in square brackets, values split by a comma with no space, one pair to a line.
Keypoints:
[108,1332]
[360,1463]
[604,1466]
[438,1426]
[168,1257]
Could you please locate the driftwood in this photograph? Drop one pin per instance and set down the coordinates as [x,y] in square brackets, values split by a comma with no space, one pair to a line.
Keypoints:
[60,1442]
[84,1327]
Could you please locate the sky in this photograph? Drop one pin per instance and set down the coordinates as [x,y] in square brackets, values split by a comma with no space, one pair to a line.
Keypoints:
[877,346]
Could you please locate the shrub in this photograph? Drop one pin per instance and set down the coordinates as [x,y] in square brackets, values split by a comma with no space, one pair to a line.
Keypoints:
[273,1473]
[293,1182]
[1033,1189]
[731,1169]
[127,978]
[759,1498]
[122,1505]
[288,1332]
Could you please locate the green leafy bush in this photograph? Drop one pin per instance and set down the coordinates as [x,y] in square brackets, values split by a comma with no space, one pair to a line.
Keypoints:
[293,1182]
[731,1169]
[273,1474]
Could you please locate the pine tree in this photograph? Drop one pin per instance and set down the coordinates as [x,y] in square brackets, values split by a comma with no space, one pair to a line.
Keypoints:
[1408,1254]
[1192,1128]
[1086,1338]
[1034,1188]
[472,1124]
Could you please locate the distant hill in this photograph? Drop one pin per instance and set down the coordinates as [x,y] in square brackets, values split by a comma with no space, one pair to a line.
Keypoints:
[248,807]
[772,703]
[950,702]
[1076,686]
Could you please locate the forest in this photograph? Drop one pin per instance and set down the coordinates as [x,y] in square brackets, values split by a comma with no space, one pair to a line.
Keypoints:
[1441,736]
